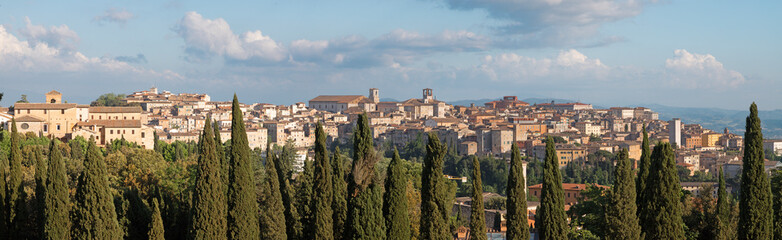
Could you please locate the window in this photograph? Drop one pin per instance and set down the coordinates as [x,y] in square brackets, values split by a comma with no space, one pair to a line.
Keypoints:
[111,131]
[62,111]
[123,131]
[25,125]
[124,118]
[142,134]
[44,111]
[28,111]
[100,117]
[45,128]
[132,131]
[58,127]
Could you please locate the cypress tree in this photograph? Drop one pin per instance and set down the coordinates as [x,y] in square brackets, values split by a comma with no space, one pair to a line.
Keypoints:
[207,220]
[516,203]
[755,219]
[156,230]
[15,195]
[621,218]
[365,199]
[94,215]
[3,195]
[304,200]
[220,150]
[40,189]
[395,201]
[477,214]
[339,202]
[242,206]
[723,206]
[434,213]
[643,169]
[272,218]
[551,213]
[322,189]
[292,223]
[661,218]
[56,222]
[776,192]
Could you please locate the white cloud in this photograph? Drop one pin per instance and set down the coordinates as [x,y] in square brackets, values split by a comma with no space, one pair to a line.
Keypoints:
[119,16]
[57,36]
[539,23]
[693,70]
[207,37]
[568,65]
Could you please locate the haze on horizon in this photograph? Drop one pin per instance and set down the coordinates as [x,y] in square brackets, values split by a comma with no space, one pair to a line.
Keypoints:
[678,53]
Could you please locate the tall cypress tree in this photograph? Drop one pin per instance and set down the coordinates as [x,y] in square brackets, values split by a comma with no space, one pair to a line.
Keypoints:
[94,215]
[304,200]
[477,214]
[15,195]
[516,203]
[643,169]
[755,219]
[40,189]
[207,220]
[365,198]
[3,194]
[224,165]
[272,218]
[292,223]
[156,230]
[723,206]
[776,192]
[56,222]
[661,217]
[621,218]
[339,202]
[322,189]
[242,206]
[434,214]
[551,214]
[395,201]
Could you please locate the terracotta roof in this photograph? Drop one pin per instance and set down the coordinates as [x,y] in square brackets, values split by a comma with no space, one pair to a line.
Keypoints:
[41,106]
[112,123]
[134,109]
[570,186]
[338,98]
[28,118]
[53,92]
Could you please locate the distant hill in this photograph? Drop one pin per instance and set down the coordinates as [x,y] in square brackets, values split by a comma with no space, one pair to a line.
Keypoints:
[531,101]
[718,119]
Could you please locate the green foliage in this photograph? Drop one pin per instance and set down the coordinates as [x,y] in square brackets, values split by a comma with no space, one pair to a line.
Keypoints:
[339,202]
[413,150]
[776,190]
[111,100]
[700,218]
[516,217]
[599,172]
[3,191]
[661,216]
[395,201]
[644,166]
[755,220]
[552,222]
[477,214]
[621,218]
[272,219]
[94,216]
[590,211]
[15,194]
[496,203]
[242,206]
[156,230]
[365,203]
[434,209]
[208,213]
[322,188]
[723,211]
[23,99]
[304,200]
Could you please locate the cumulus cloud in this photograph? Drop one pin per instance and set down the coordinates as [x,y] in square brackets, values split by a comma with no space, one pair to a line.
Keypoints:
[539,23]
[567,65]
[139,58]
[56,36]
[113,15]
[205,38]
[693,70]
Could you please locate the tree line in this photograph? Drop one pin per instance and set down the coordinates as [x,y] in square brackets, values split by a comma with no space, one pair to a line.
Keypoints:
[215,190]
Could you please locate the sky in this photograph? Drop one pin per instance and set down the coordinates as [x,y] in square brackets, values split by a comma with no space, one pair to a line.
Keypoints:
[694,53]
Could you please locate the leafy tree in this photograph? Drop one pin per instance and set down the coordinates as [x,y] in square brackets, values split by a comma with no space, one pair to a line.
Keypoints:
[755,220]
[477,214]
[208,221]
[621,217]
[339,202]
[589,213]
[661,217]
[23,99]
[272,218]
[395,201]
[94,215]
[434,211]
[110,100]
[242,206]
[551,213]
[156,230]
[517,226]
[365,199]
[701,221]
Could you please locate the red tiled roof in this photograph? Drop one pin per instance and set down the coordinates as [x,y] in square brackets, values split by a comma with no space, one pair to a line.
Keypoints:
[41,106]
[134,109]
[112,123]
[338,98]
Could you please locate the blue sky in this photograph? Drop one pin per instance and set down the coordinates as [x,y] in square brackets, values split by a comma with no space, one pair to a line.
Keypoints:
[722,54]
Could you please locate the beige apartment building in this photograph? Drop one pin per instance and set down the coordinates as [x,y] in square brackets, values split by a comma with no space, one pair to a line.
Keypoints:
[52,118]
